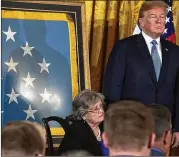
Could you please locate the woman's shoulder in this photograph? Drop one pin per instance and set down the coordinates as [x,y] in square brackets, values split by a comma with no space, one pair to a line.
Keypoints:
[78,125]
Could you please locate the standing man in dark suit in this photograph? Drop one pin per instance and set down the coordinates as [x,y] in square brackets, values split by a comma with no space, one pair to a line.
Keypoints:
[145,67]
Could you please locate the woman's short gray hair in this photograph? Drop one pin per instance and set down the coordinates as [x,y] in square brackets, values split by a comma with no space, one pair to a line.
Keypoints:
[84,100]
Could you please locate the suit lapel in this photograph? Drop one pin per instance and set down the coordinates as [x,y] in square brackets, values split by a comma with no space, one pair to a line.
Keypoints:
[165,62]
[143,49]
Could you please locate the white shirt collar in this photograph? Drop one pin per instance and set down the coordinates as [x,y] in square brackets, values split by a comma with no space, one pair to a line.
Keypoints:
[148,39]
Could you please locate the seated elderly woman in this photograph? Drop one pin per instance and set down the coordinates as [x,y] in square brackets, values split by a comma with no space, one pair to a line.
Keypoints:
[84,132]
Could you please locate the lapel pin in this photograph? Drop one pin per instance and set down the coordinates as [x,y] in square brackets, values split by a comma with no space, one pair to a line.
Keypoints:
[166,49]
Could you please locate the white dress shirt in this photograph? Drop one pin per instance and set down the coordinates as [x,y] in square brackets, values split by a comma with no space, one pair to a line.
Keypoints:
[148,40]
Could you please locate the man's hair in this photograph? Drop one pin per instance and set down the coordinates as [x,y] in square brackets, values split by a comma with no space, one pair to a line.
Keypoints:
[162,117]
[76,153]
[147,5]
[128,125]
[40,129]
[20,138]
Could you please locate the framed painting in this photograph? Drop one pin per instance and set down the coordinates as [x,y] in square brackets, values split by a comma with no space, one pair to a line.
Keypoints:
[45,59]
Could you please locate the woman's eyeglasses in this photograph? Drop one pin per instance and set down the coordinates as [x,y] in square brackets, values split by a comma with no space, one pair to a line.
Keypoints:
[97,110]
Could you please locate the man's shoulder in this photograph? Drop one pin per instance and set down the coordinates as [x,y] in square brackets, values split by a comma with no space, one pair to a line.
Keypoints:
[172,48]
[129,39]
[169,44]
[126,43]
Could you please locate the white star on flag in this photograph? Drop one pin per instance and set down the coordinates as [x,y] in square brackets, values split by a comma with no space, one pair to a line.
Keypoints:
[12,96]
[167,19]
[29,80]
[46,96]
[169,9]
[27,49]
[165,31]
[30,112]
[9,34]
[44,66]
[11,65]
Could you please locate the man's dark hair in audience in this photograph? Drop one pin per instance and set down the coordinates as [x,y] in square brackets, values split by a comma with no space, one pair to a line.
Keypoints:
[128,129]
[22,138]
[163,130]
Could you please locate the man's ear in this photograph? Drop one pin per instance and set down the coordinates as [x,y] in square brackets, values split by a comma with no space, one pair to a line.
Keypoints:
[151,140]
[105,139]
[141,22]
[167,137]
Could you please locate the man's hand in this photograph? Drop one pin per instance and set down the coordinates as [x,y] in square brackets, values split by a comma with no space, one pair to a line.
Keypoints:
[175,139]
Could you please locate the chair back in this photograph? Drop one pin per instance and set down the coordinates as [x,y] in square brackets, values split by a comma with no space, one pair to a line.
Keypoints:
[62,122]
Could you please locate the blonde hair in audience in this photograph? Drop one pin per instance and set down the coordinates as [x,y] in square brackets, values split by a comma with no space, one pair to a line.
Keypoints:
[128,125]
[22,138]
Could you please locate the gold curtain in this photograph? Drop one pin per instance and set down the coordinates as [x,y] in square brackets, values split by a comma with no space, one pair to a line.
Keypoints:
[107,21]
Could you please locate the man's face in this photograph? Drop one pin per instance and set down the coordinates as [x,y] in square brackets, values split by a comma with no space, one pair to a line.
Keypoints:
[153,22]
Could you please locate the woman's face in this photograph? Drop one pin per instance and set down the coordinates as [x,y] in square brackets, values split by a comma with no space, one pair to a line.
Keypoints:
[95,113]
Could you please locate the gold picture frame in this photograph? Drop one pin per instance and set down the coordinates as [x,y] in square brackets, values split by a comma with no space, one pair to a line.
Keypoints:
[71,13]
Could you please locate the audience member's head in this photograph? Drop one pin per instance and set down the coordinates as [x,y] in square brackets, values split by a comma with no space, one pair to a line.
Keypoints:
[40,128]
[77,153]
[22,138]
[128,129]
[89,105]
[162,117]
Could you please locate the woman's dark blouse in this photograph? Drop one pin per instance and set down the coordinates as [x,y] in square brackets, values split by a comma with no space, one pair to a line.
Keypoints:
[79,136]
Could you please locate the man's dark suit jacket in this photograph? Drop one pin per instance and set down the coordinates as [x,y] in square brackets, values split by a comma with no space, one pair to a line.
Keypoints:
[130,75]
[79,136]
